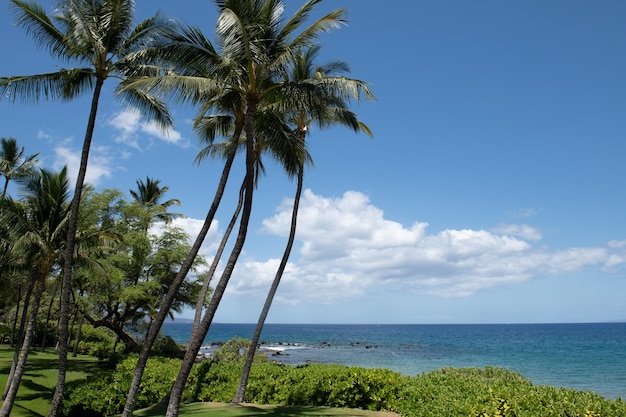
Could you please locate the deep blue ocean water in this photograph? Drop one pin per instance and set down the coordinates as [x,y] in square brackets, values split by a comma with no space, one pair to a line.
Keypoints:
[577,356]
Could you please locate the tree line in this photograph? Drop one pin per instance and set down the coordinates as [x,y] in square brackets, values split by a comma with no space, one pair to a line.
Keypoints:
[258,87]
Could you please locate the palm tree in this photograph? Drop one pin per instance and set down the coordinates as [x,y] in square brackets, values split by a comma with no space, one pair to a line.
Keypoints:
[99,36]
[253,37]
[13,163]
[37,233]
[324,103]
[149,194]
[255,43]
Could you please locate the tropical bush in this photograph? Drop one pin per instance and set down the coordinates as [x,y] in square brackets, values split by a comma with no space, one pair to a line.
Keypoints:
[96,342]
[106,394]
[492,392]
[166,346]
[449,392]
[5,333]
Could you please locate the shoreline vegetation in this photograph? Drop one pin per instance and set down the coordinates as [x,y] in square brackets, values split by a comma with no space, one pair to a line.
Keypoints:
[96,387]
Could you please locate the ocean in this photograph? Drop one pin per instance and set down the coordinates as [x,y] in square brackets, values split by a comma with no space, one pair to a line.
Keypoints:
[577,356]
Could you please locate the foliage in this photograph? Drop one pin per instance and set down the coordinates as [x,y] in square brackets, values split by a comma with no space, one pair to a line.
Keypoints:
[235,350]
[167,347]
[96,342]
[488,392]
[494,392]
[5,333]
[106,394]
[325,385]
[133,271]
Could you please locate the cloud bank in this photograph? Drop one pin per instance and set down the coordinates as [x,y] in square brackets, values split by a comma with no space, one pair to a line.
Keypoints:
[346,248]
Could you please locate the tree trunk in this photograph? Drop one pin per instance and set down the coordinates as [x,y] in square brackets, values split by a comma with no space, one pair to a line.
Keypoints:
[78,333]
[168,300]
[14,382]
[45,329]
[66,286]
[200,333]
[243,382]
[216,259]
[20,337]
[17,313]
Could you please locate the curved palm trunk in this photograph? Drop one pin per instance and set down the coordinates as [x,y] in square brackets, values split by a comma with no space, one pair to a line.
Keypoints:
[155,326]
[7,405]
[66,287]
[17,313]
[6,186]
[200,333]
[243,382]
[45,329]
[20,336]
[78,334]
[216,259]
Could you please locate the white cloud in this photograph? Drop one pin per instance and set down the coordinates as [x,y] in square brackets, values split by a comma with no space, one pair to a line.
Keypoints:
[520,230]
[129,125]
[347,248]
[99,167]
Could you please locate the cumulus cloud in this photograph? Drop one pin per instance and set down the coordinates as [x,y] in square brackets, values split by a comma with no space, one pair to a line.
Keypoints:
[129,124]
[100,163]
[347,248]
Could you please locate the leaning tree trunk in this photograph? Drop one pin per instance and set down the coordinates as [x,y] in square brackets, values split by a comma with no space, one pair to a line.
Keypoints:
[17,313]
[243,382]
[216,259]
[14,382]
[78,334]
[200,333]
[45,329]
[155,326]
[20,336]
[66,286]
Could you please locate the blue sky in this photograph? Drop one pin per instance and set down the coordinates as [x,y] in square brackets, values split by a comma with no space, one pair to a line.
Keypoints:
[493,190]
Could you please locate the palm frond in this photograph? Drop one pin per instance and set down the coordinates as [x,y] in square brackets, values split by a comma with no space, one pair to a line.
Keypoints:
[149,105]
[63,84]
[33,18]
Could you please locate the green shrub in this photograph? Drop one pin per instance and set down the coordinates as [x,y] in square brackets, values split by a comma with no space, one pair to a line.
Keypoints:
[96,342]
[106,394]
[166,346]
[449,392]
[5,333]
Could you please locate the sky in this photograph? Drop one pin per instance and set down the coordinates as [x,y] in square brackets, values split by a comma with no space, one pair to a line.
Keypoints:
[493,191]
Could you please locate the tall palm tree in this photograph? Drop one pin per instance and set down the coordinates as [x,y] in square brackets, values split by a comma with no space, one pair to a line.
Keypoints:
[323,100]
[99,36]
[149,194]
[37,231]
[254,45]
[13,163]
[254,36]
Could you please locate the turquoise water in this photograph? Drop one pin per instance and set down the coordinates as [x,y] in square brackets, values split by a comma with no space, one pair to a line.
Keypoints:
[577,356]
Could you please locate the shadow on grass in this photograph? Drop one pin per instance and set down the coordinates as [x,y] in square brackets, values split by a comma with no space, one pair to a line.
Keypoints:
[255,410]
[40,378]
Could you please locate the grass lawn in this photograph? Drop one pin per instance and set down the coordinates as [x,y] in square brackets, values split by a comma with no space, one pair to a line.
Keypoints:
[39,380]
[255,410]
[35,392]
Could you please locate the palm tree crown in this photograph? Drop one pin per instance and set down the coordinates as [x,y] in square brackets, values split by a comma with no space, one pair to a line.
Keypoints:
[13,163]
[149,194]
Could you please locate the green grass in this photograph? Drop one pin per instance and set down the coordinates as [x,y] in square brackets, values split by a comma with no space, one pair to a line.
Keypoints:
[35,393]
[256,410]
